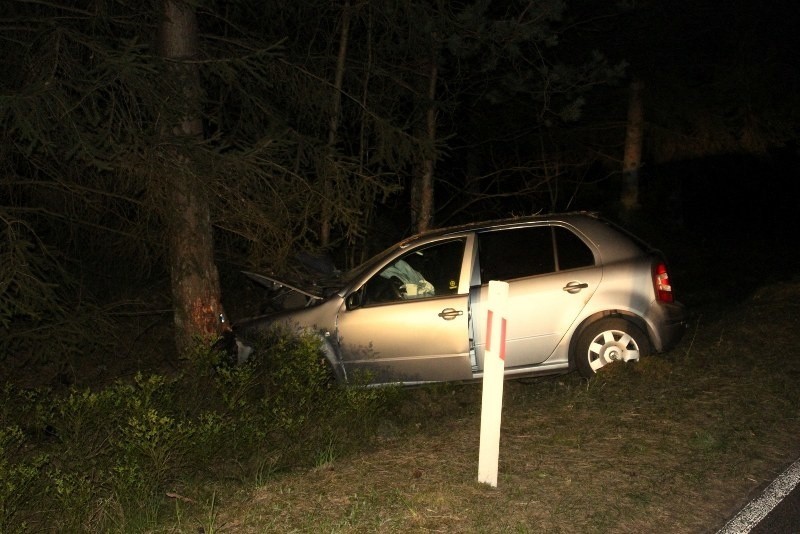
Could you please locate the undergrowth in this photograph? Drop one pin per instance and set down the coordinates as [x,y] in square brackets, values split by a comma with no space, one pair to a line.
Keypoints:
[109,459]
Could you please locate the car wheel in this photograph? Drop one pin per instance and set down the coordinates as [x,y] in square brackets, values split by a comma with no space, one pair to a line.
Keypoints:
[607,341]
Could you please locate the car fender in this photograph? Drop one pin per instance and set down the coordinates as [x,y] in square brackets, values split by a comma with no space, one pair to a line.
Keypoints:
[332,356]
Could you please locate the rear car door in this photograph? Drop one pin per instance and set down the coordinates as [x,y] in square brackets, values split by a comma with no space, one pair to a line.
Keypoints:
[551,274]
[409,321]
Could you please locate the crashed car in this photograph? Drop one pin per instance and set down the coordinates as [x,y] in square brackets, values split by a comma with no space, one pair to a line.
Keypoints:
[582,294]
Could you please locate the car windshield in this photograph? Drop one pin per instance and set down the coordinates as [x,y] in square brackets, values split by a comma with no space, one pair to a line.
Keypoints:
[348,276]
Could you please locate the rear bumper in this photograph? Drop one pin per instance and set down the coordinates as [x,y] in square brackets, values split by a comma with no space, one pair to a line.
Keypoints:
[667,325]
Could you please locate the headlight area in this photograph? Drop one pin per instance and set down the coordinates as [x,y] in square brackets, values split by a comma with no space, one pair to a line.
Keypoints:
[243,352]
[235,351]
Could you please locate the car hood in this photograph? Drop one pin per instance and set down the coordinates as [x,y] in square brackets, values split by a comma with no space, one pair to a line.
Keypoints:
[315,290]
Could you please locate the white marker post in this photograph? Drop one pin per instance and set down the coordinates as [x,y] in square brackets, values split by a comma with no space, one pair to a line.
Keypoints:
[493,369]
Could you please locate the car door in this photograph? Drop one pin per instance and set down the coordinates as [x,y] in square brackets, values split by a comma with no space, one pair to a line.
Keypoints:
[546,292]
[409,321]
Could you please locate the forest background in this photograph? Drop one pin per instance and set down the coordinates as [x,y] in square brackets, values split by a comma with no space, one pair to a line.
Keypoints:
[152,150]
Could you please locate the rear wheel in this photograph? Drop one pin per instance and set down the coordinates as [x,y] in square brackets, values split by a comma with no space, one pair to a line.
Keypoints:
[608,341]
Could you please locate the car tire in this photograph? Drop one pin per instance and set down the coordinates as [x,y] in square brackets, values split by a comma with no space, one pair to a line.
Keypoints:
[607,341]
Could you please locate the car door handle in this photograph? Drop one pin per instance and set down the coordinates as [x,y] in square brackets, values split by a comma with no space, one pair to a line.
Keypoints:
[448,314]
[574,287]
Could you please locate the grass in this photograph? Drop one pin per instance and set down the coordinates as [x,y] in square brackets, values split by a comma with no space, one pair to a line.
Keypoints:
[676,443]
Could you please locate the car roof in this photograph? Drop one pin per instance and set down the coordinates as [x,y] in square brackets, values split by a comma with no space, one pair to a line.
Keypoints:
[567,217]
[609,239]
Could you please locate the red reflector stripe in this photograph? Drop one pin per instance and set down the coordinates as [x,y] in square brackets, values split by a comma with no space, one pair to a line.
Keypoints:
[489,322]
[489,331]
[503,339]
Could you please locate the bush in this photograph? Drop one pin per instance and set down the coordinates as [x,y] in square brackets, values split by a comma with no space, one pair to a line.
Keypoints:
[300,410]
[19,474]
[105,459]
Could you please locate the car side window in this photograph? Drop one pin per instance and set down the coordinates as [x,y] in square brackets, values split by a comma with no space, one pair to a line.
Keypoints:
[522,252]
[571,251]
[424,272]
[515,253]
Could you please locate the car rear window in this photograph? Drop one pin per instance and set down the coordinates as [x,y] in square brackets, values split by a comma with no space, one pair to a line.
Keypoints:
[572,252]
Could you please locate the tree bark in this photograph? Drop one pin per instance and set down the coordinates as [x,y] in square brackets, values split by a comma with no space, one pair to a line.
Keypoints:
[422,193]
[632,159]
[196,294]
[333,126]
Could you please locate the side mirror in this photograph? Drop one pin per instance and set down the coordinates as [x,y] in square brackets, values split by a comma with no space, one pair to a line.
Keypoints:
[355,299]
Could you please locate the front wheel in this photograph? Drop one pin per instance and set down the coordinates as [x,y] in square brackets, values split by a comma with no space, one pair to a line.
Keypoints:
[607,341]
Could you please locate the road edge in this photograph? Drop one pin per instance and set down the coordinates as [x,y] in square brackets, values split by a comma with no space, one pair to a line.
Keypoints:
[757,509]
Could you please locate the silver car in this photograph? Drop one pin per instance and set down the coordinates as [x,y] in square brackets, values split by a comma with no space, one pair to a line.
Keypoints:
[582,294]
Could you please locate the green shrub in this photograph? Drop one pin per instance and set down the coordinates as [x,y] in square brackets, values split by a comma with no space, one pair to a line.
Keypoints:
[19,475]
[297,379]
[104,459]
[309,412]
[82,422]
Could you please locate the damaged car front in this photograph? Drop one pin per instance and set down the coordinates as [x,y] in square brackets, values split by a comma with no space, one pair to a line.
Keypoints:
[308,302]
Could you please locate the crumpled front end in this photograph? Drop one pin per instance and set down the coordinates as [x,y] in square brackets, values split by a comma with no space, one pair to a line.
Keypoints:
[320,319]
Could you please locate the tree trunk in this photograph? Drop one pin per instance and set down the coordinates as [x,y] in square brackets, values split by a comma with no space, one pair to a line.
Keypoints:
[422,198]
[196,291]
[333,127]
[632,160]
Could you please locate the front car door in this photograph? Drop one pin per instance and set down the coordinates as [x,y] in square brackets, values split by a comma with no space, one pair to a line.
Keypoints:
[409,321]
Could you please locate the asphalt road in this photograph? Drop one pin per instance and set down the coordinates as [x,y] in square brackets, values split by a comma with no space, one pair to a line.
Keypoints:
[775,511]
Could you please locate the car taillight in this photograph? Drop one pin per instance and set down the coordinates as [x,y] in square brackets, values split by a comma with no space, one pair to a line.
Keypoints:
[661,281]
